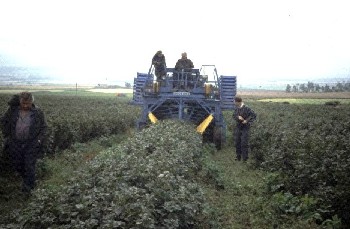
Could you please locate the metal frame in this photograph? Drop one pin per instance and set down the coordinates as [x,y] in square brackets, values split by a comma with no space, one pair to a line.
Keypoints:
[187,95]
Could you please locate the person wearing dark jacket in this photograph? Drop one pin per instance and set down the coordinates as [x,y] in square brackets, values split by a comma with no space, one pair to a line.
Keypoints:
[182,70]
[184,63]
[24,129]
[244,117]
[159,64]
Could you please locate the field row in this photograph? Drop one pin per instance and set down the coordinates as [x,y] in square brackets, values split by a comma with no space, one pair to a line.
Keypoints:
[79,118]
[304,146]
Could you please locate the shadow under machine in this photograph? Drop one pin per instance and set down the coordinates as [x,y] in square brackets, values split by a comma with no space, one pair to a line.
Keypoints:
[196,95]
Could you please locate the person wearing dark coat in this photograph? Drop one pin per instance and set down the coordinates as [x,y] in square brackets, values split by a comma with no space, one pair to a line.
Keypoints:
[244,117]
[183,69]
[184,63]
[24,129]
[159,64]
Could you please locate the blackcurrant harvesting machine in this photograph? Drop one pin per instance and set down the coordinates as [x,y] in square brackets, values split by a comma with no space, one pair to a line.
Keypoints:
[196,95]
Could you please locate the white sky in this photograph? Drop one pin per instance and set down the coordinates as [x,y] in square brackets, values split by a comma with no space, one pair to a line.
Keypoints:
[89,41]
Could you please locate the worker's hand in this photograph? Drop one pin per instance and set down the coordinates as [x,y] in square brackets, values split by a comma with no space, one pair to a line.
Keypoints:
[240,118]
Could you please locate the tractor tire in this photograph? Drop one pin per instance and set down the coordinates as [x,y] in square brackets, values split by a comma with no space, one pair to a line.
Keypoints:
[218,138]
[208,134]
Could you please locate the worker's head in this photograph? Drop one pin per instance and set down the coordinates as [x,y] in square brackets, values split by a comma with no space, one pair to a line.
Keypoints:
[26,100]
[159,53]
[184,55]
[238,101]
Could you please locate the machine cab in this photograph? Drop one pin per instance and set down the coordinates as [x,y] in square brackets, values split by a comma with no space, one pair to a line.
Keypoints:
[185,82]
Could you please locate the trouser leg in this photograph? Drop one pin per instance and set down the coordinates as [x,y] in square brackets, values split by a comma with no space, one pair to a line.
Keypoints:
[244,143]
[16,156]
[29,174]
[238,143]
[23,158]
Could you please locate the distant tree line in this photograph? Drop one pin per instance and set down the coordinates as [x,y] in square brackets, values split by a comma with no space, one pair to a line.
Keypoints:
[314,87]
[127,85]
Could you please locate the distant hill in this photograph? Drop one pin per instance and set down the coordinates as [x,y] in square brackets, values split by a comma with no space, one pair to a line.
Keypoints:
[15,75]
[23,75]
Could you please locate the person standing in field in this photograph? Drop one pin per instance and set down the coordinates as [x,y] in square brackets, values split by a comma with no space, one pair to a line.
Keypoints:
[24,129]
[159,64]
[244,117]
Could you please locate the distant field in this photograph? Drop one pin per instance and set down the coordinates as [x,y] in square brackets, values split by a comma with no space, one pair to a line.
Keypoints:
[117,90]
[305,100]
[13,91]
[265,94]
[38,88]
[299,98]
[246,94]
[256,94]
[62,88]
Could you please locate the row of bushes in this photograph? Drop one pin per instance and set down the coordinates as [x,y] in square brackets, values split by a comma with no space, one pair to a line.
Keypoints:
[307,149]
[80,119]
[148,181]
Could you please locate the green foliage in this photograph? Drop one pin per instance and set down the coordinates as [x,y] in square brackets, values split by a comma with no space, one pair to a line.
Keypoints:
[71,119]
[304,206]
[152,180]
[210,170]
[80,119]
[314,87]
[332,103]
[308,148]
[148,181]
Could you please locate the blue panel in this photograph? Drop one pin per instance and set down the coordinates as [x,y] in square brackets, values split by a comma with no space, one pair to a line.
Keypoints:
[228,90]
[139,83]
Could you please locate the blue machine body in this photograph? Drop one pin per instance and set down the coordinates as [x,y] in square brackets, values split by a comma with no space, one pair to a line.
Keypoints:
[190,95]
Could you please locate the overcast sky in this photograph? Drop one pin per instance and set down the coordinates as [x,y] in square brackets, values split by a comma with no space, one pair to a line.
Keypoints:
[89,41]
